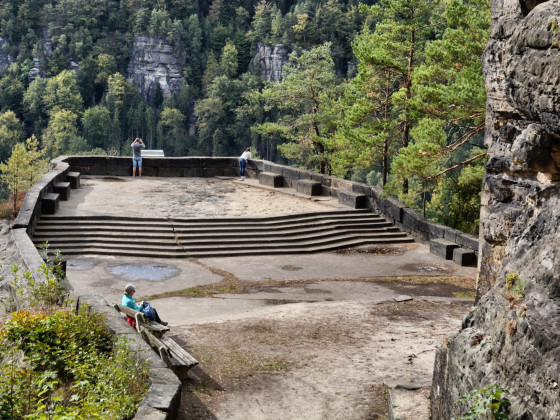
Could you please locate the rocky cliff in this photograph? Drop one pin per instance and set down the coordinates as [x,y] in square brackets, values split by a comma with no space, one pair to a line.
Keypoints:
[154,62]
[511,337]
[268,61]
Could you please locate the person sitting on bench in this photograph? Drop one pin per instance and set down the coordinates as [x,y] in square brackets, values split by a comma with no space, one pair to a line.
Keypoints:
[144,307]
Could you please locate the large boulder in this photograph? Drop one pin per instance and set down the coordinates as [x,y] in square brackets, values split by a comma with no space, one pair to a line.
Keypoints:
[511,336]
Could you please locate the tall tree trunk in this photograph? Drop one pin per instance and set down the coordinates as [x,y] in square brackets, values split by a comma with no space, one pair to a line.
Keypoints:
[408,87]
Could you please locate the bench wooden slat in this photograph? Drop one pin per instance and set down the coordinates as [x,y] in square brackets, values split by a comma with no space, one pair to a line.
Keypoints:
[158,345]
[179,353]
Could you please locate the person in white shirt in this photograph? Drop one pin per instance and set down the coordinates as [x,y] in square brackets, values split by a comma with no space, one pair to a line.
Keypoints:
[243,161]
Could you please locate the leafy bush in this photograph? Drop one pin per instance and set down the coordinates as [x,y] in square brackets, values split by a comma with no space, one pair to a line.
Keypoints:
[64,365]
[487,403]
[61,364]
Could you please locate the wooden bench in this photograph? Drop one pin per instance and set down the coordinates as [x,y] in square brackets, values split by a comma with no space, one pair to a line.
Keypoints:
[141,321]
[172,354]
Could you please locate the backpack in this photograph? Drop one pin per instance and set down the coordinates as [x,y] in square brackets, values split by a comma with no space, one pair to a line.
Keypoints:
[148,311]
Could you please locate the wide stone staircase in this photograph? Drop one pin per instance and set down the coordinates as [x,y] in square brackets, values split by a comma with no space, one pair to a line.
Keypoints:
[215,237]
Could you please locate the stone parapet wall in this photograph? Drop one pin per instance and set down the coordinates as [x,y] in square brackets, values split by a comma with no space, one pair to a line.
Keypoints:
[30,210]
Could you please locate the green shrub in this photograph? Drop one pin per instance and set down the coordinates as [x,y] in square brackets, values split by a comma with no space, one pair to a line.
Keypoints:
[64,365]
[487,403]
[56,363]
[516,285]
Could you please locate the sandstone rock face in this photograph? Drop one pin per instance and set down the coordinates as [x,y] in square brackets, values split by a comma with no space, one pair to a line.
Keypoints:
[153,61]
[507,339]
[269,61]
[5,60]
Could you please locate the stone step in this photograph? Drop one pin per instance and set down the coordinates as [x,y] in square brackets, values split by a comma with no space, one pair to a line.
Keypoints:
[74,179]
[62,189]
[235,252]
[308,232]
[320,225]
[50,203]
[219,241]
[47,220]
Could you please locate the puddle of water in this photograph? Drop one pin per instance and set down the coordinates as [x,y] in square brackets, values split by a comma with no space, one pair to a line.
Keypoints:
[150,272]
[80,265]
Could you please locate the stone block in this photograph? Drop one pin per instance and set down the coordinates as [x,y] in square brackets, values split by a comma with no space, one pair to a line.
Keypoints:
[468,241]
[163,397]
[254,164]
[74,179]
[170,172]
[208,172]
[435,230]
[120,170]
[308,187]
[149,170]
[442,248]
[271,180]
[452,235]
[194,162]
[192,172]
[351,199]
[291,173]
[220,162]
[413,220]
[62,189]
[392,208]
[150,413]
[50,203]
[464,256]
[272,167]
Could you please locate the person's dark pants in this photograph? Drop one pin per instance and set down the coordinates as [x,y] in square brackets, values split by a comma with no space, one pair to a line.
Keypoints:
[242,163]
[158,319]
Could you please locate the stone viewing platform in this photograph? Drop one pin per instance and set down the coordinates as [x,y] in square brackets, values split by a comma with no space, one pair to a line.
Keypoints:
[372,313]
[185,198]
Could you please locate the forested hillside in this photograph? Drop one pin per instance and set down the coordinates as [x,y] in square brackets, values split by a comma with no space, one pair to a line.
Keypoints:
[390,93]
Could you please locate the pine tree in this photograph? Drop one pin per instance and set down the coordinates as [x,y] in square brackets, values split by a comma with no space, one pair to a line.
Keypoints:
[24,167]
[305,102]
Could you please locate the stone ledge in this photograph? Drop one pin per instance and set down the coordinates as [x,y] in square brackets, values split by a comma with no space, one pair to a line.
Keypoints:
[442,248]
[62,189]
[50,203]
[308,187]
[463,256]
[352,199]
[271,180]
[74,179]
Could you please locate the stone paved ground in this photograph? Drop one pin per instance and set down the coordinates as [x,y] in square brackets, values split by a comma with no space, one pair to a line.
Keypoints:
[316,336]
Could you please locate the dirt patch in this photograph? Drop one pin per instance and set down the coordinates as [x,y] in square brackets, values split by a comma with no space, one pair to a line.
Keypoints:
[428,268]
[375,250]
[313,361]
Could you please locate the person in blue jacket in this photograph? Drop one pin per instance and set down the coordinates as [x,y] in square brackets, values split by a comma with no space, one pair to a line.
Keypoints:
[128,300]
